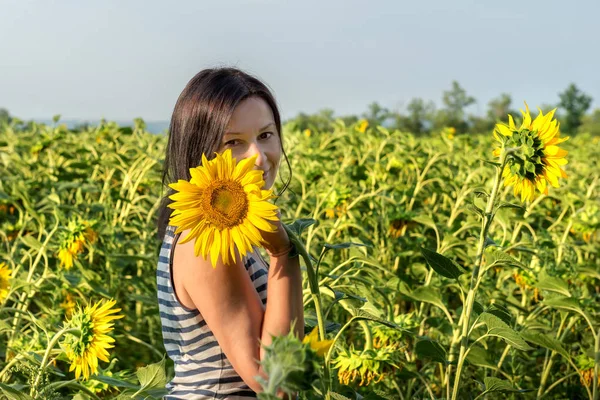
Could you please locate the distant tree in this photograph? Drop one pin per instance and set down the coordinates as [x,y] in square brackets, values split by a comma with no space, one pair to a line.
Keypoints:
[418,120]
[349,119]
[453,114]
[4,115]
[376,114]
[499,108]
[320,121]
[575,103]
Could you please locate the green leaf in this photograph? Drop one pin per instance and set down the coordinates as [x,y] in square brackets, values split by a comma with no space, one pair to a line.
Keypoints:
[501,312]
[510,205]
[310,321]
[337,396]
[12,393]
[31,242]
[362,314]
[495,256]
[152,376]
[344,245]
[426,294]
[109,380]
[545,341]
[425,220]
[497,327]
[567,303]
[300,225]
[589,272]
[442,265]
[479,356]
[477,307]
[54,198]
[373,309]
[430,349]
[497,385]
[553,284]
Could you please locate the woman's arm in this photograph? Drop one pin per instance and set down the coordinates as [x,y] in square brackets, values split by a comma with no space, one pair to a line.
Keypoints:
[228,301]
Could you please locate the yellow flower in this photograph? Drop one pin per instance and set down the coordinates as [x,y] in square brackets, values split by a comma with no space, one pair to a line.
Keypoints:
[65,255]
[224,207]
[363,124]
[5,272]
[320,347]
[371,365]
[95,323]
[77,244]
[537,159]
[307,132]
[68,305]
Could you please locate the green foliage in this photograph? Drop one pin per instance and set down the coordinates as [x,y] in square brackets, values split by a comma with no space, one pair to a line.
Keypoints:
[393,311]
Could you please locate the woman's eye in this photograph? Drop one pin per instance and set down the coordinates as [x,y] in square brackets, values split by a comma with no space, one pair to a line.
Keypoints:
[230,143]
[266,135]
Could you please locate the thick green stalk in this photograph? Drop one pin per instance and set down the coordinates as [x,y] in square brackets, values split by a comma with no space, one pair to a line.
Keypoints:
[313,282]
[476,275]
[49,348]
[597,365]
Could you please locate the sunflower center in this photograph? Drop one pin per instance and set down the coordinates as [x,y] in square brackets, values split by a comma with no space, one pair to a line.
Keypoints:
[528,162]
[225,203]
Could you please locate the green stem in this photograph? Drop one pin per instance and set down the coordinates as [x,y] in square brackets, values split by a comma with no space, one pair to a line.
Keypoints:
[368,335]
[477,272]
[49,348]
[313,282]
[597,365]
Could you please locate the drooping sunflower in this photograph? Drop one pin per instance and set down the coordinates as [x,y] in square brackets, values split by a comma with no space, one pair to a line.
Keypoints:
[537,161]
[95,323]
[5,272]
[224,206]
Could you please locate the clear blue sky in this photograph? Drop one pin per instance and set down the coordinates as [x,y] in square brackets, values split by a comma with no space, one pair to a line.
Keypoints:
[124,59]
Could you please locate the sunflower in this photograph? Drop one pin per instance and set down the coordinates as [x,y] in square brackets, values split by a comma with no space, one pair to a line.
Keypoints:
[68,305]
[5,272]
[65,257]
[371,365]
[95,322]
[224,207]
[321,347]
[537,159]
[363,124]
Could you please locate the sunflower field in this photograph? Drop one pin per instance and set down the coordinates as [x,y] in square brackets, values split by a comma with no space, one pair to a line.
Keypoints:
[451,266]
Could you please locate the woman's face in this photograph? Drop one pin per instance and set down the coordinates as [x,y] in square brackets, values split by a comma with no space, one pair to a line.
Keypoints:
[251,131]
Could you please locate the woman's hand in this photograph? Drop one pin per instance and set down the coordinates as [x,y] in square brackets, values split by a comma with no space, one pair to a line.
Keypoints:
[278,241]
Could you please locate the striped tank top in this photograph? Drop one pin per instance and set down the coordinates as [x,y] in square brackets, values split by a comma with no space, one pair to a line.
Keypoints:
[202,371]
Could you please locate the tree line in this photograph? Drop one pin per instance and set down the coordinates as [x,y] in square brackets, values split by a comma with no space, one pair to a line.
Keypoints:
[422,117]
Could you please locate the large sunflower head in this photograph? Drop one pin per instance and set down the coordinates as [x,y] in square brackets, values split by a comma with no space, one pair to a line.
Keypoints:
[536,159]
[95,323]
[224,207]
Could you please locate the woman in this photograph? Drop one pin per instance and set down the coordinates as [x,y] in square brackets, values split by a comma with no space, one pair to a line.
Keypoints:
[214,319]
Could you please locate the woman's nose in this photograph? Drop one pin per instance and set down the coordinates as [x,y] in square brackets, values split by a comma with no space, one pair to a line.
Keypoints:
[261,159]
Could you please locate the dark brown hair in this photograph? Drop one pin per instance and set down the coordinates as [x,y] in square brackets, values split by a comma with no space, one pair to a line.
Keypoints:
[198,124]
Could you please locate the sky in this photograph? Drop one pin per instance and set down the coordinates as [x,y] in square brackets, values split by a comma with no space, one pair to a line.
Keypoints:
[125,59]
